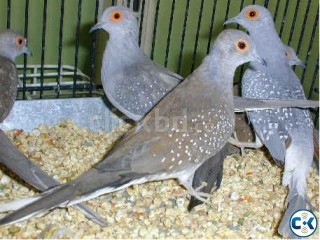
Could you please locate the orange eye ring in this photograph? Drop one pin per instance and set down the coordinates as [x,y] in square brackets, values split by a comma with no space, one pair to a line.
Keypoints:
[252,14]
[242,45]
[116,16]
[288,55]
[19,41]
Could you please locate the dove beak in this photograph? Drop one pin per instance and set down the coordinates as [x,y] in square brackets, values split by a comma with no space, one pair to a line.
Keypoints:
[231,20]
[27,51]
[299,63]
[96,27]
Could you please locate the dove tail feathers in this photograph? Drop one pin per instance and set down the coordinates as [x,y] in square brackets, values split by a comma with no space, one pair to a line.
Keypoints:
[13,159]
[296,203]
[298,161]
[90,185]
[47,201]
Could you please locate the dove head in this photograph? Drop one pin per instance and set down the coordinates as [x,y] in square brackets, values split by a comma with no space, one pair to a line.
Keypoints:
[233,48]
[292,57]
[12,44]
[253,17]
[118,21]
[259,22]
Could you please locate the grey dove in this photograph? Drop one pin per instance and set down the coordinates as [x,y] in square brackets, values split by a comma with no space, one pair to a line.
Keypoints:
[192,123]
[12,44]
[131,81]
[135,86]
[286,132]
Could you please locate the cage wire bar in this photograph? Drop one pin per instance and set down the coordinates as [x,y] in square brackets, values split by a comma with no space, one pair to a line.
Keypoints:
[8,13]
[43,45]
[58,87]
[184,34]
[175,44]
[60,46]
[24,83]
[197,37]
[141,18]
[92,52]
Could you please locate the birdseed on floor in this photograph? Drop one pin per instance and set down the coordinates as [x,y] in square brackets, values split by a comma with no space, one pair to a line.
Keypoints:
[249,203]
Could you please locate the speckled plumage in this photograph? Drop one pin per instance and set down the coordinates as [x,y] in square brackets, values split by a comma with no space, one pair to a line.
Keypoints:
[131,81]
[274,126]
[286,132]
[174,138]
[211,172]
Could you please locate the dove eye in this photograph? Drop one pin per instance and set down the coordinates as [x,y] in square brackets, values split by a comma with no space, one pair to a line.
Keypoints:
[287,54]
[116,16]
[242,46]
[19,41]
[252,14]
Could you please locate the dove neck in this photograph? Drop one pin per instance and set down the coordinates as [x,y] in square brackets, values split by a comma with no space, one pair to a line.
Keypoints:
[6,54]
[269,46]
[124,39]
[219,72]
[124,52]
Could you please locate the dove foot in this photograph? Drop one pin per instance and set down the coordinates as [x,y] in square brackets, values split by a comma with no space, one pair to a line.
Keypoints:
[195,192]
[234,141]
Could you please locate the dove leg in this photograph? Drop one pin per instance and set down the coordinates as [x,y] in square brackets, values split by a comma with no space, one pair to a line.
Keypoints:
[187,183]
[237,140]
[198,189]
[210,172]
[257,144]
[198,195]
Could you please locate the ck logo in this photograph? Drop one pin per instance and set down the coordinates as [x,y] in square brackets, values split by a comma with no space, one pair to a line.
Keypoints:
[303,223]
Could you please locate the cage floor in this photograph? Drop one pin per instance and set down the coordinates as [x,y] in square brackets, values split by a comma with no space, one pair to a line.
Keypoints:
[248,205]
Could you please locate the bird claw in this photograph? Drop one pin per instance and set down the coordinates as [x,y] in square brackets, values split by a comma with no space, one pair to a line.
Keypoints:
[197,193]
[236,139]
[204,197]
